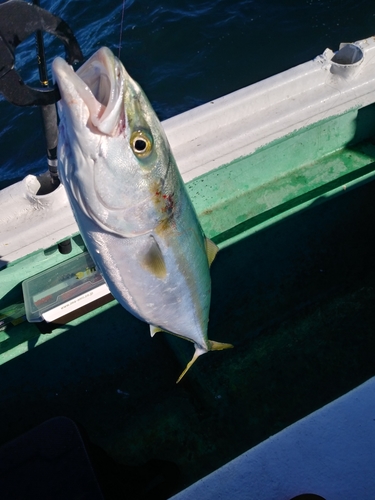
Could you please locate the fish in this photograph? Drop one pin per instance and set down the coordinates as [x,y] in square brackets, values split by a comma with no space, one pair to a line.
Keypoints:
[130,201]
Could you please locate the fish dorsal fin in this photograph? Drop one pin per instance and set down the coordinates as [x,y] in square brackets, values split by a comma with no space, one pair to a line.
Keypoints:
[155,329]
[153,260]
[211,250]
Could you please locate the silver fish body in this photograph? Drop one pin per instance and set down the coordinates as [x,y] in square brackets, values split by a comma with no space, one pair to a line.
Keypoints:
[130,202]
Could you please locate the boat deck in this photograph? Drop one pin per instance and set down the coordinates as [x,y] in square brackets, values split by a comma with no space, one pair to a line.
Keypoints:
[292,209]
[296,299]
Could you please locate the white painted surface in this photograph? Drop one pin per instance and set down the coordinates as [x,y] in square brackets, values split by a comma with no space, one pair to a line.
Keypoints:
[29,222]
[236,125]
[207,137]
[330,453]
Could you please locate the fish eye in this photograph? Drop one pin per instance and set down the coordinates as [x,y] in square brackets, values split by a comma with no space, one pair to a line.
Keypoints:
[141,143]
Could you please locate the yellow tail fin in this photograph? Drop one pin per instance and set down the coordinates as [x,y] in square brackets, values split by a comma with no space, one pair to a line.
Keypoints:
[214,346]
[219,346]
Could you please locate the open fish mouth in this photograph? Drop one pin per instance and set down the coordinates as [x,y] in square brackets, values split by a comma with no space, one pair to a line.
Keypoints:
[105,131]
[99,84]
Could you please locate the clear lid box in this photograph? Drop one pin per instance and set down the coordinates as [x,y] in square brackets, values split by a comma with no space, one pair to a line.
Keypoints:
[62,289]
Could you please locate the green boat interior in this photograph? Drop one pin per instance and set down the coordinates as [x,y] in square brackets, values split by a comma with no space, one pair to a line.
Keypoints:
[292,290]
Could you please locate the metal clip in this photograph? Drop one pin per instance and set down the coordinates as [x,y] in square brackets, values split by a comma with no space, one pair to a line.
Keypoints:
[18,20]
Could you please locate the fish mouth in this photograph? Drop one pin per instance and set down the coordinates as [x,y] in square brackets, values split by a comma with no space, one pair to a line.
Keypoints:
[99,84]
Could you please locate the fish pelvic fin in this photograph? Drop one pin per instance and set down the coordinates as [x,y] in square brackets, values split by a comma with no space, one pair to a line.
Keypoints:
[211,250]
[213,346]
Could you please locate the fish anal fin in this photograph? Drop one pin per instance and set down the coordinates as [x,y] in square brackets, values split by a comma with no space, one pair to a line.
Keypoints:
[211,250]
[155,329]
[154,262]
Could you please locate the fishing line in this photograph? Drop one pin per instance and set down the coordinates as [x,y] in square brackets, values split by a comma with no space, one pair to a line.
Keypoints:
[121,27]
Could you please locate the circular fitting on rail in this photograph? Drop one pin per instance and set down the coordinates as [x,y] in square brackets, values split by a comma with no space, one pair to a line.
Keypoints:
[347,61]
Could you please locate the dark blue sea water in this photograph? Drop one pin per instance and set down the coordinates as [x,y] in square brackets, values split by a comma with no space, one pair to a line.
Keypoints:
[183,53]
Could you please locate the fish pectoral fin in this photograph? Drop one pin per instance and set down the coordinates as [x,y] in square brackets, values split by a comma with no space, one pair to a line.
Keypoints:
[213,346]
[155,329]
[153,260]
[211,250]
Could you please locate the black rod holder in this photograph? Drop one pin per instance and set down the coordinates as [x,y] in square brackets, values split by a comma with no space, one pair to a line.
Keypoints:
[49,115]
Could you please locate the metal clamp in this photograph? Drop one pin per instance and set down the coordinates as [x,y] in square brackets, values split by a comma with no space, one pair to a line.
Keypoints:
[18,20]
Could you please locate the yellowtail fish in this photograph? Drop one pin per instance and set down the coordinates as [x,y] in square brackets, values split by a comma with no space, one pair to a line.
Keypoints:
[130,202]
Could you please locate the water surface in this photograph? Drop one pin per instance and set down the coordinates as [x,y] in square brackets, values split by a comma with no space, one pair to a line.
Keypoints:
[183,53]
